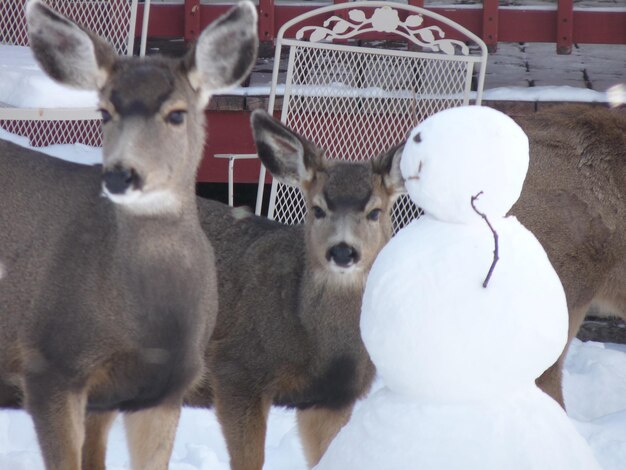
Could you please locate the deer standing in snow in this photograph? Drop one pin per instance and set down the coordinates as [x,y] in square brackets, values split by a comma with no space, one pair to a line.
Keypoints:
[107,302]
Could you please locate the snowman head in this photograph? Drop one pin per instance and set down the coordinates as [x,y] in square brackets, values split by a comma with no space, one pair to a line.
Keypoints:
[460,153]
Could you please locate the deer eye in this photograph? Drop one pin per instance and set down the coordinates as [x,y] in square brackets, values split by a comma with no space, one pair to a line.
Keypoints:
[318,212]
[374,214]
[176,117]
[106,116]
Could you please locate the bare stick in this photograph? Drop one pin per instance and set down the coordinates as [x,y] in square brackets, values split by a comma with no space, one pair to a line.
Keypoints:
[495,239]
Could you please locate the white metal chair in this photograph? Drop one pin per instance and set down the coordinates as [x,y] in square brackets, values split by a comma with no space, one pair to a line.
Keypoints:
[358,100]
[71,123]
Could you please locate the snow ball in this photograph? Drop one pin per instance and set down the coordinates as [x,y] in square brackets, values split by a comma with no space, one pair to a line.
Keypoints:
[436,334]
[460,152]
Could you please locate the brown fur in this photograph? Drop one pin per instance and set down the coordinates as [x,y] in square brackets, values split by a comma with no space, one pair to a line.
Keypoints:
[97,427]
[107,306]
[574,201]
[150,435]
[318,427]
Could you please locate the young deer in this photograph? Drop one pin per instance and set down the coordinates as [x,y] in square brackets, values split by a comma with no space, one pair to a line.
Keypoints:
[107,305]
[574,200]
[287,332]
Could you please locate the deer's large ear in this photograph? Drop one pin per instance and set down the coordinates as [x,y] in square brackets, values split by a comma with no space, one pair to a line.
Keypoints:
[66,52]
[226,50]
[289,157]
[388,165]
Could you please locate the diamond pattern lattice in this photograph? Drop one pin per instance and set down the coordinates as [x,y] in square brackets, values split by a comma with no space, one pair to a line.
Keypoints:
[107,18]
[356,105]
[43,133]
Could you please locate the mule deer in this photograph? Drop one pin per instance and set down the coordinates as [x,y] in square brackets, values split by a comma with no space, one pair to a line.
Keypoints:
[290,296]
[108,306]
[574,200]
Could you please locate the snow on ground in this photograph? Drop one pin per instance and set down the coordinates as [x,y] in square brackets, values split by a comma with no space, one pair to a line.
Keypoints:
[595,392]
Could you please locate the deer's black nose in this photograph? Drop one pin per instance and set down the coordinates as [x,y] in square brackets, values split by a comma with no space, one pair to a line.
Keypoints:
[342,254]
[118,179]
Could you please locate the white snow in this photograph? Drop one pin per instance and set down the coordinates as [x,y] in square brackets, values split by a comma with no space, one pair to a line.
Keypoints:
[23,84]
[458,349]
[467,361]
[443,187]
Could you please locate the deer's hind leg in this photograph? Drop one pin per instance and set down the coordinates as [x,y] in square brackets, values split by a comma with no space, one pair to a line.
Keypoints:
[317,427]
[59,418]
[150,435]
[551,381]
[97,426]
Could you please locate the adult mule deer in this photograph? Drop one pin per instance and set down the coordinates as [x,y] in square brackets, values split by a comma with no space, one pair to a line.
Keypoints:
[574,200]
[107,306]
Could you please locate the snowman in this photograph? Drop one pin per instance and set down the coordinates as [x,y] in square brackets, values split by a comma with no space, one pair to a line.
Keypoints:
[462,311]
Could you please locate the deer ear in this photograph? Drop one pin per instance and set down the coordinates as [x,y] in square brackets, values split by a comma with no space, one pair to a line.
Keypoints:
[66,52]
[290,158]
[226,50]
[388,165]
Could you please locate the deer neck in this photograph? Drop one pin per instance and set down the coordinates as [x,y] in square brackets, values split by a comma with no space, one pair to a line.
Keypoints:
[152,242]
[330,308]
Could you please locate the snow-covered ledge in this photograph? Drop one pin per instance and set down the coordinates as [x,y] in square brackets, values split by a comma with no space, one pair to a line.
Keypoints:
[24,85]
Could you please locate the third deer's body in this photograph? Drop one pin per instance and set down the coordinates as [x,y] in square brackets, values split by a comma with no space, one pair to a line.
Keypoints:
[574,201]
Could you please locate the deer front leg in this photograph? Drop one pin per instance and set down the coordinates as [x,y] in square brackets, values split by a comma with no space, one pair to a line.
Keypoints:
[244,421]
[317,427]
[150,435]
[59,418]
[97,426]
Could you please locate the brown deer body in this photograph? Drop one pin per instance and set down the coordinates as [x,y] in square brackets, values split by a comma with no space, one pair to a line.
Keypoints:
[107,302]
[290,297]
[574,201]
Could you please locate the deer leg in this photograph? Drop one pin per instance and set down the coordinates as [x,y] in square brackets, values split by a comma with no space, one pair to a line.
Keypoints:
[97,426]
[150,435]
[244,421]
[317,427]
[551,381]
[59,418]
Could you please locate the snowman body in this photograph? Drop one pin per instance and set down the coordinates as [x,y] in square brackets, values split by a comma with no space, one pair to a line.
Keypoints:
[459,359]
